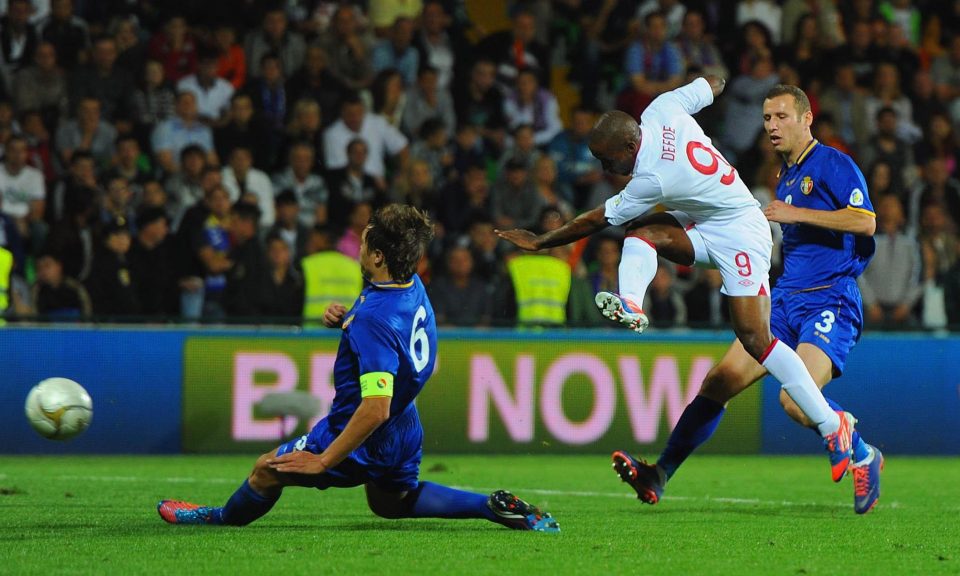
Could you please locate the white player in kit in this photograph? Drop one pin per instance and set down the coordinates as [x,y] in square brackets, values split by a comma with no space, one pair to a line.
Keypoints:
[713,220]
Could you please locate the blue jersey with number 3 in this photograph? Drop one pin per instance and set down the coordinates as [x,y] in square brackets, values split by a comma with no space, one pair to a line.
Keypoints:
[391,328]
[823,179]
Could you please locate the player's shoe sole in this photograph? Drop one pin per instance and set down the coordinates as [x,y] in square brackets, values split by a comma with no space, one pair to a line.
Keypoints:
[514,513]
[177,512]
[616,308]
[866,483]
[639,475]
[839,446]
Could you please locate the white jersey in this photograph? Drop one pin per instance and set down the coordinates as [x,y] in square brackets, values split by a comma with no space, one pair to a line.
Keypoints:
[677,165]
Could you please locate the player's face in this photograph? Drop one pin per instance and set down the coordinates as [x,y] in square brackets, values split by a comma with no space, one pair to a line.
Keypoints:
[615,161]
[367,257]
[789,131]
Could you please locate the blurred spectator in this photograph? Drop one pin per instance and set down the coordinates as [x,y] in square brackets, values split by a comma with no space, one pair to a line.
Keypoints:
[415,186]
[381,138]
[806,53]
[175,48]
[940,141]
[433,147]
[706,305]
[653,65]
[245,279]
[42,86]
[350,240]
[11,241]
[305,126]
[385,12]
[479,102]
[767,13]
[891,283]
[242,180]
[131,48]
[269,96]
[397,52]
[462,199]
[486,248]
[67,32]
[154,100]
[879,182]
[22,191]
[130,164]
[185,188]
[243,129]
[887,147]
[517,49]
[81,174]
[541,289]
[924,98]
[282,291]
[528,103]
[672,10]
[745,96]
[18,39]
[103,80]
[906,17]
[288,226]
[231,61]
[858,52]
[459,297]
[428,100]
[945,71]
[938,187]
[151,264]
[112,288]
[347,48]
[516,202]
[173,135]
[663,301]
[207,258]
[440,48]
[328,275]
[939,247]
[843,100]
[387,97]
[606,276]
[754,41]
[308,188]
[55,295]
[72,239]
[828,20]
[275,38]
[117,203]
[154,196]
[606,28]
[315,82]
[213,93]
[40,151]
[88,132]
[698,49]
[545,180]
[522,147]
[352,184]
[470,149]
[578,170]
[951,294]
[825,130]
[887,94]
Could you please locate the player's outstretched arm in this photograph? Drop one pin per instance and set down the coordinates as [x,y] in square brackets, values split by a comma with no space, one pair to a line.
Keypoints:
[580,227]
[372,412]
[849,220]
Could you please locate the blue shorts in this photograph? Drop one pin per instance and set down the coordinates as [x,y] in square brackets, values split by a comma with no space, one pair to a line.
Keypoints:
[831,319]
[390,459]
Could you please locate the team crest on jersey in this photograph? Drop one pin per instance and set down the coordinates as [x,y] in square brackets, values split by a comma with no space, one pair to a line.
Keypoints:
[856,197]
[806,186]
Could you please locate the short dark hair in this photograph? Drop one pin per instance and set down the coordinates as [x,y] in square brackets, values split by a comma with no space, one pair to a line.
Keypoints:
[400,232]
[430,127]
[148,216]
[800,100]
[192,149]
[246,211]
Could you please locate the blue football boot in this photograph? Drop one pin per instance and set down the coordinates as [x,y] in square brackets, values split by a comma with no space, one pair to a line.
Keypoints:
[514,513]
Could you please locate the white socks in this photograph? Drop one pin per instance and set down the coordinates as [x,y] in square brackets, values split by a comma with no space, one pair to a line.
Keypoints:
[638,266]
[784,364]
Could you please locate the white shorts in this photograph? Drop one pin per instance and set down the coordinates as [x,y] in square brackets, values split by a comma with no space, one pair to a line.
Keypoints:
[738,244]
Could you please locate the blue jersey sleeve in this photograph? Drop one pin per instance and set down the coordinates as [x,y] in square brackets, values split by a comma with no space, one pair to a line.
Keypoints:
[375,346]
[847,186]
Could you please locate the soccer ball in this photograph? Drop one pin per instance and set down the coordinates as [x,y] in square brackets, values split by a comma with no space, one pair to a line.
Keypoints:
[59,409]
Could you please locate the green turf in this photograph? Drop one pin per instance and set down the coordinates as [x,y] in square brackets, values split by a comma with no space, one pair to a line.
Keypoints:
[721,515]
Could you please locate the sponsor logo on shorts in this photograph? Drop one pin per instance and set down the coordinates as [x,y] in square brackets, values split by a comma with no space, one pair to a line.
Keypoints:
[806,186]
[856,197]
[745,282]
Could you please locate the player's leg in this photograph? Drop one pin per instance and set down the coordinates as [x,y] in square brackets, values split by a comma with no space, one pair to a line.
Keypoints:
[654,234]
[736,371]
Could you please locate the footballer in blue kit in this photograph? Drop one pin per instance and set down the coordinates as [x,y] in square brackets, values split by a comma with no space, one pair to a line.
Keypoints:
[372,435]
[824,209]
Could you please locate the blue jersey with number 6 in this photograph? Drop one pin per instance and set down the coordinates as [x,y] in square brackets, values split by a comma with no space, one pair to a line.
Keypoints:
[817,300]
[390,330]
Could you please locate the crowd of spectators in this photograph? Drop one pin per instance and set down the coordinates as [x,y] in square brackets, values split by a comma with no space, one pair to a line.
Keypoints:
[179,160]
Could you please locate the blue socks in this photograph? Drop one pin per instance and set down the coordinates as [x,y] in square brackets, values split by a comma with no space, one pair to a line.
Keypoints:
[436,501]
[245,506]
[697,424]
[860,449]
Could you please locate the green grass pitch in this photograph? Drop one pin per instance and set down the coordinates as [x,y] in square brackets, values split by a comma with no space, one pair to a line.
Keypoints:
[721,515]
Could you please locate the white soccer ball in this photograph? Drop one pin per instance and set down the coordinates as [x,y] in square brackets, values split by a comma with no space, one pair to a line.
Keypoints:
[59,408]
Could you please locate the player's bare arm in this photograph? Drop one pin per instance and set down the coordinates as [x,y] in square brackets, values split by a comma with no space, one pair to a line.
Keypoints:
[372,412]
[580,227]
[843,220]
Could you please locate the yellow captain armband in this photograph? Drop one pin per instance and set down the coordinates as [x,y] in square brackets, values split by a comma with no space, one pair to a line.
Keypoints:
[376,384]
